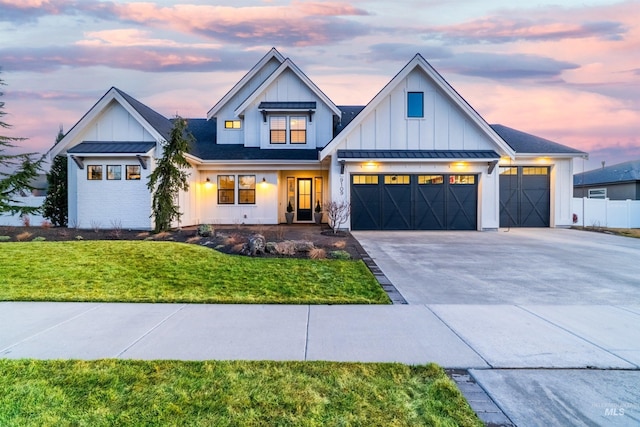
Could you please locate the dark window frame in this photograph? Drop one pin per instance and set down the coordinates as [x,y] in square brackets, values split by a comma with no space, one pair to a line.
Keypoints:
[94,172]
[223,193]
[244,192]
[119,173]
[131,176]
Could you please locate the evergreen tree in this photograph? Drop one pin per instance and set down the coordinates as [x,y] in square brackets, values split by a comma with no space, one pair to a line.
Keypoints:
[56,204]
[169,176]
[17,171]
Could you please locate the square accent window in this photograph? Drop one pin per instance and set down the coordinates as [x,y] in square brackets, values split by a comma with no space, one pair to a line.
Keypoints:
[94,172]
[226,189]
[133,172]
[298,130]
[278,130]
[246,189]
[415,104]
[114,172]
[232,124]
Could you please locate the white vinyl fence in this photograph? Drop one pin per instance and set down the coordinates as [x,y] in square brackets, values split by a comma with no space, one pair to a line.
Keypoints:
[15,220]
[607,213]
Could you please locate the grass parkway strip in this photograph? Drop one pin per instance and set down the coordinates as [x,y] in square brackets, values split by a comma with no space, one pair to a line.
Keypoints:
[146,271]
[118,392]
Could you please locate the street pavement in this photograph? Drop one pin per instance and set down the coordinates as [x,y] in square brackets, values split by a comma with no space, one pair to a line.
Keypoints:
[546,349]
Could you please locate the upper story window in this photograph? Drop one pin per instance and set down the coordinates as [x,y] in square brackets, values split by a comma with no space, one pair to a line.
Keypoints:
[298,130]
[415,104]
[232,124]
[278,129]
[288,129]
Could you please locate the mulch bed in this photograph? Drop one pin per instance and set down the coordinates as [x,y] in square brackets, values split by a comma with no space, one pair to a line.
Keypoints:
[225,238]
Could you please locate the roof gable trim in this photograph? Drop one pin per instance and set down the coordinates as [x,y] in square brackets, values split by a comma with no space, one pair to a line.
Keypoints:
[273,53]
[419,62]
[287,65]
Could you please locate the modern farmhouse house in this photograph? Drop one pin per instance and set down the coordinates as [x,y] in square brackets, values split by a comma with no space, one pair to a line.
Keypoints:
[417,157]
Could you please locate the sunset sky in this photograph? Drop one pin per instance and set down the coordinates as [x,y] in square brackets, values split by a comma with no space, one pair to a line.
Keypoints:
[566,70]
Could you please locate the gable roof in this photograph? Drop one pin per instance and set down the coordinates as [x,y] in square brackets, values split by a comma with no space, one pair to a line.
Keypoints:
[273,53]
[156,124]
[525,143]
[418,61]
[621,172]
[159,122]
[287,65]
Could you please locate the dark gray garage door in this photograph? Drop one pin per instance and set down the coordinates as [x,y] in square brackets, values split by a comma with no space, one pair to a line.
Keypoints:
[524,196]
[414,202]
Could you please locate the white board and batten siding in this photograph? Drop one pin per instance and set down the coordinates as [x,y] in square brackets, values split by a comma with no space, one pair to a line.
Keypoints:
[288,88]
[264,211]
[114,124]
[443,127]
[226,112]
[111,203]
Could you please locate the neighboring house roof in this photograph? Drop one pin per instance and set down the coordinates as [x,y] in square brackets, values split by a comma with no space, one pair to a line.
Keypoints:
[112,147]
[286,65]
[418,154]
[614,174]
[524,143]
[205,147]
[273,53]
[419,62]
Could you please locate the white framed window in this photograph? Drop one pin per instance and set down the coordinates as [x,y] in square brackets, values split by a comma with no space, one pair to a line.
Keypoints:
[287,130]
[597,193]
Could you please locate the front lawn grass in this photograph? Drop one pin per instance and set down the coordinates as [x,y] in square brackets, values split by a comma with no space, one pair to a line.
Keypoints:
[119,392]
[145,271]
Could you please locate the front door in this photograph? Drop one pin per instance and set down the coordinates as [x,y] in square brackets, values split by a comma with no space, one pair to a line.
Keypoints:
[304,210]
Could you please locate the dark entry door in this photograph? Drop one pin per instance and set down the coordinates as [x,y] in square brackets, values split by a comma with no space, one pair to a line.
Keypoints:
[525,196]
[304,210]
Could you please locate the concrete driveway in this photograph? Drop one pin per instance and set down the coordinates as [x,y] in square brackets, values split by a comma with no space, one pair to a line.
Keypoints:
[554,313]
[520,266]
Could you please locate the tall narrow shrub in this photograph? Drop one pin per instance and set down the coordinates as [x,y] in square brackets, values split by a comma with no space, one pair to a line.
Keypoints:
[170,176]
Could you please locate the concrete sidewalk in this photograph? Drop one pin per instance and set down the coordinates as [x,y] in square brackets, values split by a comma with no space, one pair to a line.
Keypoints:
[454,336]
[498,343]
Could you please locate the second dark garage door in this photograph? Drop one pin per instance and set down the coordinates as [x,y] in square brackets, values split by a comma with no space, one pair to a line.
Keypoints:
[414,202]
[525,196]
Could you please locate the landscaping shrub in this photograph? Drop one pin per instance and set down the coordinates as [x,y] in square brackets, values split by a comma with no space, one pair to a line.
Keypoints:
[344,255]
